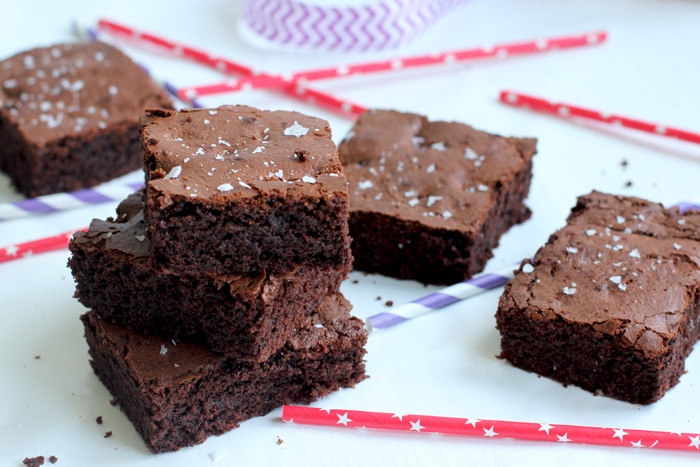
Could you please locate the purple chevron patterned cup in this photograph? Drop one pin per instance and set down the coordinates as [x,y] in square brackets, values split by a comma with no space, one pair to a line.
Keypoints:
[341,25]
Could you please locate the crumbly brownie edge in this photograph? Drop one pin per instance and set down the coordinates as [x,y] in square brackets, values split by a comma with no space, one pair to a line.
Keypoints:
[272,234]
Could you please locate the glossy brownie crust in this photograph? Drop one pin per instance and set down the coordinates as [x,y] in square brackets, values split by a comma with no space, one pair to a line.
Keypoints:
[430,200]
[69,116]
[249,316]
[178,395]
[611,304]
[235,190]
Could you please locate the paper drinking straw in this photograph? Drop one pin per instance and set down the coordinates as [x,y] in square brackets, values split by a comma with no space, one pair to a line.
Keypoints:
[224,65]
[568,111]
[454,293]
[496,51]
[546,432]
[43,245]
[64,201]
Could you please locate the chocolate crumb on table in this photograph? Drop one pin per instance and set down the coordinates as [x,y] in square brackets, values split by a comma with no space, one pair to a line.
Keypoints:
[33,461]
[279,440]
[99,420]
[611,302]
[53,459]
[430,200]
[108,434]
[69,116]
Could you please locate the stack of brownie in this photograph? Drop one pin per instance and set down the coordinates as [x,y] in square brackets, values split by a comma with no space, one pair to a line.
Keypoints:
[214,293]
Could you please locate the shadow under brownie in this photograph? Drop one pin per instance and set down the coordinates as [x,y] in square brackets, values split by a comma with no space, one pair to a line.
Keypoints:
[430,200]
[69,116]
[611,302]
[249,316]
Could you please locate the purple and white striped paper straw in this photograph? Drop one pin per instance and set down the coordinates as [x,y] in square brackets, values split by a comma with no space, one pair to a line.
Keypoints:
[454,293]
[63,201]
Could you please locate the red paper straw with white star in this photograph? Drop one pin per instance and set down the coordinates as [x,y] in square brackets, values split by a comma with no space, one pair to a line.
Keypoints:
[225,65]
[546,432]
[539,104]
[495,51]
[42,245]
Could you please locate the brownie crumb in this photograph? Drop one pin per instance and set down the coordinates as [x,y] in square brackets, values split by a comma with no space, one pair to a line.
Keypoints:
[628,184]
[624,163]
[99,420]
[379,297]
[37,357]
[53,459]
[355,281]
[279,440]
[389,303]
[108,434]
[33,461]
[113,402]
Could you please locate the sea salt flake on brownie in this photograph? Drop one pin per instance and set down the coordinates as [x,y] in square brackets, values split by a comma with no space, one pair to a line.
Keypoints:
[296,130]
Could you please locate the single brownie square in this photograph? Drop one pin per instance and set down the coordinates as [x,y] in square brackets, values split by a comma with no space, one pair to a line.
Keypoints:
[610,303]
[178,395]
[69,116]
[430,200]
[235,189]
[249,316]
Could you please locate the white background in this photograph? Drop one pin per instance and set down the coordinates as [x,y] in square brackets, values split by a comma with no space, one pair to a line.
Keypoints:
[439,364]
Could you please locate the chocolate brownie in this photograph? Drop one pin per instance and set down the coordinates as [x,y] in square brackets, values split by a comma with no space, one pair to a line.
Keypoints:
[610,303]
[235,189]
[69,116]
[249,316]
[178,395]
[430,200]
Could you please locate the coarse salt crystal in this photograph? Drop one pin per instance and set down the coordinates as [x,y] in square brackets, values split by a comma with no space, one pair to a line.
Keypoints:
[163,349]
[224,187]
[676,246]
[410,193]
[432,200]
[620,219]
[569,290]
[295,130]
[212,112]
[482,187]
[417,141]
[591,232]
[635,253]
[446,214]
[571,249]
[365,184]
[528,268]
[430,169]
[439,146]
[258,149]
[470,154]
[413,202]
[681,221]
[242,183]
[308,179]
[112,90]
[622,286]
[616,279]
[174,172]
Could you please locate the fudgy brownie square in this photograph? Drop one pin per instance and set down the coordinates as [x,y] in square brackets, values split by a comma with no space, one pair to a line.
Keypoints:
[69,116]
[178,395]
[430,200]
[236,189]
[610,303]
[249,316]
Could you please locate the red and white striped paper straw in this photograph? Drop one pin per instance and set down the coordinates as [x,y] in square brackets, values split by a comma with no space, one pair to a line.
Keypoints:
[539,104]
[496,51]
[603,436]
[42,245]
[227,66]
